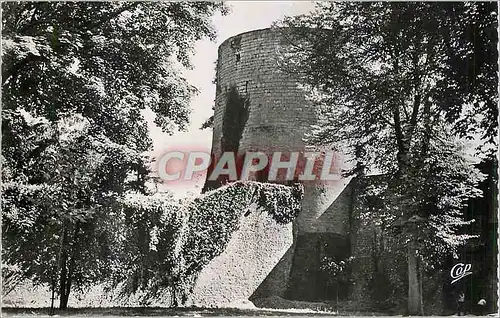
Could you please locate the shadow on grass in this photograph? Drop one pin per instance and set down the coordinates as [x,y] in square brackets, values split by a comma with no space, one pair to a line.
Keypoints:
[156,311]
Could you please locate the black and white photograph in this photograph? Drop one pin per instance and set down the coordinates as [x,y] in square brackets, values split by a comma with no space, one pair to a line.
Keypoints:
[249,158]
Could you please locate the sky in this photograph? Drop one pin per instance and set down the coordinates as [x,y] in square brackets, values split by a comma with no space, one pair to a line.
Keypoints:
[244,16]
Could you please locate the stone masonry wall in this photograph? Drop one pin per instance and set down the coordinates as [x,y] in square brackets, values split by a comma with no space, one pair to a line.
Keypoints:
[252,253]
[279,117]
[279,114]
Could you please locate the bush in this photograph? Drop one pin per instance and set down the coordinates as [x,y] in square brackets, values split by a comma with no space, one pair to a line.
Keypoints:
[165,244]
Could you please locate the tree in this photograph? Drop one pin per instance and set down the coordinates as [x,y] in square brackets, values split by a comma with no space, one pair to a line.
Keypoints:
[336,272]
[76,79]
[147,265]
[46,225]
[380,75]
[472,70]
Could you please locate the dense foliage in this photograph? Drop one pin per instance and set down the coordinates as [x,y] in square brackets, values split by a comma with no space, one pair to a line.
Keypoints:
[76,80]
[163,258]
[394,85]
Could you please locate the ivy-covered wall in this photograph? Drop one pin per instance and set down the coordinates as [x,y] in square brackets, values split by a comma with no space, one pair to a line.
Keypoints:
[258,108]
[247,260]
[237,108]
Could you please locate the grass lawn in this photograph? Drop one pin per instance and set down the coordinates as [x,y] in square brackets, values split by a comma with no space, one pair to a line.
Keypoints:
[156,312]
[182,312]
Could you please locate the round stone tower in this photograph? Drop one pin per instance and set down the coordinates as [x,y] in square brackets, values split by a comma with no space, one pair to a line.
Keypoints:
[278,113]
[274,115]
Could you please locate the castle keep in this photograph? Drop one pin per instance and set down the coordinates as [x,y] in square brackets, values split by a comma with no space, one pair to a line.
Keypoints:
[276,118]
[260,108]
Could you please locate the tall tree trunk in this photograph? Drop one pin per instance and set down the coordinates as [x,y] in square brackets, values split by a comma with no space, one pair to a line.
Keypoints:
[66,276]
[63,260]
[53,287]
[421,279]
[63,285]
[69,279]
[414,295]
[403,141]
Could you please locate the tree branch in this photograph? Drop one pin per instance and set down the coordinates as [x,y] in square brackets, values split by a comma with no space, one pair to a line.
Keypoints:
[113,15]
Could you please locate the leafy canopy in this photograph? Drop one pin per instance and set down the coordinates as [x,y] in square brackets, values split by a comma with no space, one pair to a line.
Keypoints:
[77,78]
[393,86]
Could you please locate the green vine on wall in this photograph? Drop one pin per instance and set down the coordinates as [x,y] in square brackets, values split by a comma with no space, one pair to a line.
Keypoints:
[179,238]
[233,123]
[234,120]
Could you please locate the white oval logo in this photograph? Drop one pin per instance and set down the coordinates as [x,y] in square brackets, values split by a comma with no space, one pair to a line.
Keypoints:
[459,271]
